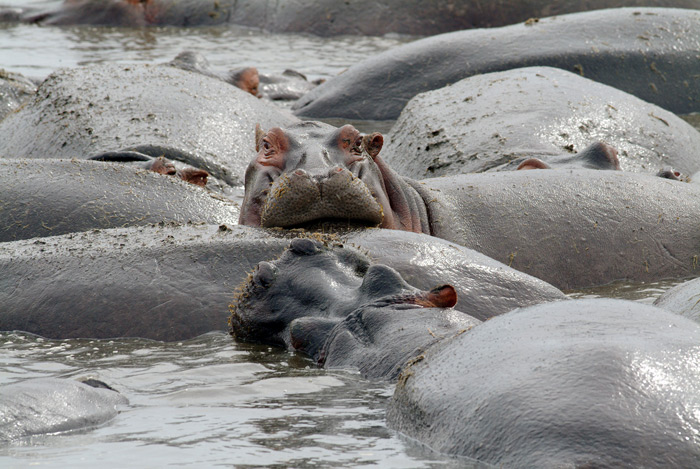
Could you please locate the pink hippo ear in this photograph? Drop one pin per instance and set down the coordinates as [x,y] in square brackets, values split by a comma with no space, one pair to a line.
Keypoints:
[532,163]
[373,143]
[259,134]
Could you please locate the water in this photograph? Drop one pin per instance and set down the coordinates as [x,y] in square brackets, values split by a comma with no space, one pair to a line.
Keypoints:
[209,401]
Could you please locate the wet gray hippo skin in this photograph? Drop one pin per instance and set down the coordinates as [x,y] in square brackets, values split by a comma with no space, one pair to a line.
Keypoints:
[683,299]
[584,383]
[180,279]
[498,120]
[51,405]
[342,289]
[608,383]
[54,197]
[132,111]
[571,228]
[325,17]
[650,53]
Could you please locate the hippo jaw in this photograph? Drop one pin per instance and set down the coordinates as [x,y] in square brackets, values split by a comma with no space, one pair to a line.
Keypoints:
[297,198]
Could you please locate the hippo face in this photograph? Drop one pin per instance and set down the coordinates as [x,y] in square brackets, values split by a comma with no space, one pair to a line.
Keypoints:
[314,172]
[315,284]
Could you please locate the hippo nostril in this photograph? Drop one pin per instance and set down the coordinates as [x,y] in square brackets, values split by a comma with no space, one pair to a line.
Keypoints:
[303,246]
[265,274]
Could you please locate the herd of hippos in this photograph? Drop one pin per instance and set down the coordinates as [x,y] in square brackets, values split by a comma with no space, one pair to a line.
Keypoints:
[529,156]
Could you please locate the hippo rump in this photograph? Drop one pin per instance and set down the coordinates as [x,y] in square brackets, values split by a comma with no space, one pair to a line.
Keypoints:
[325,17]
[583,383]
[169,282]
[683,299]
[53,197]
[125,112]
[571,228]
[648,52]
[586,383]
[52,405]
[499,120]
[15,89]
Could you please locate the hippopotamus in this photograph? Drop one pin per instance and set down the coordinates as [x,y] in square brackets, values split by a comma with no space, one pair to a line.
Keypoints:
[683,299]
[15,89]
[180,278]
[117,112]
[288,86]
[247,79]
[604,383]
[54,197]
[650,53]
[55,405]
[500,120]
[324,17]
[571,228]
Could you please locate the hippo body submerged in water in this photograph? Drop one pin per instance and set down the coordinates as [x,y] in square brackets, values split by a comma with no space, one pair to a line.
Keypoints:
[122,112]
[650,53]
[50,405]
[498,120]
[53,197]
[572,228]
[169,282]
[604,383]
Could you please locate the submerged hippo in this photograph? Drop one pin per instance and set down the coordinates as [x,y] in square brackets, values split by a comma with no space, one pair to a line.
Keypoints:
[683,299]
[499,120]
[51,405]
[288,86]
[648,52]
[604,383]
[54,197]
[572,228]
[324,17]
[168,282]
[117,112]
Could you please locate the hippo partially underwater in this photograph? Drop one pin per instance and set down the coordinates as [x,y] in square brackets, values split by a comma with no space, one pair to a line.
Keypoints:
[174,282]
[586,383]
[321,17]
[499,120]
[650,53]
[52,405]
[569,227]
[139,112]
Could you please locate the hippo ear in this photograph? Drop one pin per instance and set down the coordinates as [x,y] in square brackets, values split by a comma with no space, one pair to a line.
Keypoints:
[532,163]
[373,143]
[309,334]
[259,134]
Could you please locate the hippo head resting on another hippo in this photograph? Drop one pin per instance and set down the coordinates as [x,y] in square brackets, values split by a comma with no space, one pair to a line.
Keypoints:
[275,306]
[314,173]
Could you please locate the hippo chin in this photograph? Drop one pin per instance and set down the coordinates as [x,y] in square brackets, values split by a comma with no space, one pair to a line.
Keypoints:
[571,228]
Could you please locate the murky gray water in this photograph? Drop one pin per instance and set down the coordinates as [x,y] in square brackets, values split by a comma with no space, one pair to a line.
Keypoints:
[210,402]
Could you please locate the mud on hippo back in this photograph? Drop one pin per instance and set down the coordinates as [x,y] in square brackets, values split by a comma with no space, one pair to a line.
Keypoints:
[121,112]
[572,228]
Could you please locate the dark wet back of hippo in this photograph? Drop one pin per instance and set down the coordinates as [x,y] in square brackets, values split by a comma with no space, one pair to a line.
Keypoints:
[53,197]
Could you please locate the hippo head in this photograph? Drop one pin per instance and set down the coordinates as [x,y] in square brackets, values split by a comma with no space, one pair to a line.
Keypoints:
[313,172]
[296,300]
